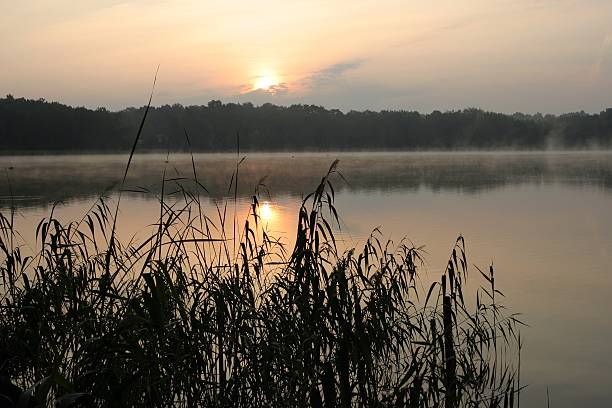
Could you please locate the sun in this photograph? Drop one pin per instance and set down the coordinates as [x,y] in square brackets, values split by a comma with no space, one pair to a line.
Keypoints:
[265,82]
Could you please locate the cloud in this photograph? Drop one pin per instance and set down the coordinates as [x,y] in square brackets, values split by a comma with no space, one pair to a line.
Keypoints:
[273,94]
[273,90]
[326,78]
[330,87]
[330,74]
[277,89]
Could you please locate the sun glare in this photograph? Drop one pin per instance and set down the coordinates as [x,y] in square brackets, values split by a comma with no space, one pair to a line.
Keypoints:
[265,82]
[265,211]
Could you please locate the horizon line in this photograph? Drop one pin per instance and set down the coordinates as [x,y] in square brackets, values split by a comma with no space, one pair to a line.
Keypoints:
[329,109]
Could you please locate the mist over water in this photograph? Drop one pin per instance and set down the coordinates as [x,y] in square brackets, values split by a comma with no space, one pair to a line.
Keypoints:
[35,181]
[543,219]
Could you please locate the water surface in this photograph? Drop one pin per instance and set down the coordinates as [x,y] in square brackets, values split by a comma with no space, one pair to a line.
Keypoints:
[543,219]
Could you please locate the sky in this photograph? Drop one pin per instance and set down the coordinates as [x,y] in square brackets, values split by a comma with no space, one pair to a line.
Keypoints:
[548,56]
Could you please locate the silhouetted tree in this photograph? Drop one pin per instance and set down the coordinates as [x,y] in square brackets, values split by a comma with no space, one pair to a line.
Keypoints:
[38,125]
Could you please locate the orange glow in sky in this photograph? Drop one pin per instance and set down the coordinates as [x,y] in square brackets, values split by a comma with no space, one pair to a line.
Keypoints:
[265,82]
[509,56]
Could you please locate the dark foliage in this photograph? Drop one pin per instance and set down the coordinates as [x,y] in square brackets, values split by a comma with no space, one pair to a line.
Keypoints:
[190,317]
[37,125]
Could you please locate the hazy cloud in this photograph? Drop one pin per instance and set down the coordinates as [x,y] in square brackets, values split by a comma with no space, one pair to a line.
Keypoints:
[331,87]
[330,78]
[274,94]
[330,74]
[275,90]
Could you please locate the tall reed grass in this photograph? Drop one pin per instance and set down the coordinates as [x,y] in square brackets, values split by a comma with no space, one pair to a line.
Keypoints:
[192,317]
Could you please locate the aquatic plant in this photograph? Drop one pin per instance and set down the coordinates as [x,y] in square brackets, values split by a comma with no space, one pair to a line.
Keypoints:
[190,316]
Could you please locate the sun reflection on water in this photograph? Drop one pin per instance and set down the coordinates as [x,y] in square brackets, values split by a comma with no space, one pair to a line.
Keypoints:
[266,212]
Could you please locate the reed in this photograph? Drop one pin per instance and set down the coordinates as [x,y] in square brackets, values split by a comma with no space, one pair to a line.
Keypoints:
[192,317]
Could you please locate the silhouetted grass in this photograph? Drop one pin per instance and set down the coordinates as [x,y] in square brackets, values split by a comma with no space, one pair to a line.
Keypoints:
[192,317]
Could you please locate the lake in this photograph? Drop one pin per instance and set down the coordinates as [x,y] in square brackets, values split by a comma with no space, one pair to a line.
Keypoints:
[543,219]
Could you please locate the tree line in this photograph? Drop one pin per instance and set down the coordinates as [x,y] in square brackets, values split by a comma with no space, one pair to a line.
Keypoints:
[37,125]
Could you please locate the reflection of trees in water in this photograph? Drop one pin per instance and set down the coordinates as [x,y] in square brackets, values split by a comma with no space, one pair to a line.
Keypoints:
[37,181]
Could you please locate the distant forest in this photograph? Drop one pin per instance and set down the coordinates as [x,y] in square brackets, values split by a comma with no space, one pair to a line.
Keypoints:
[37,125]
